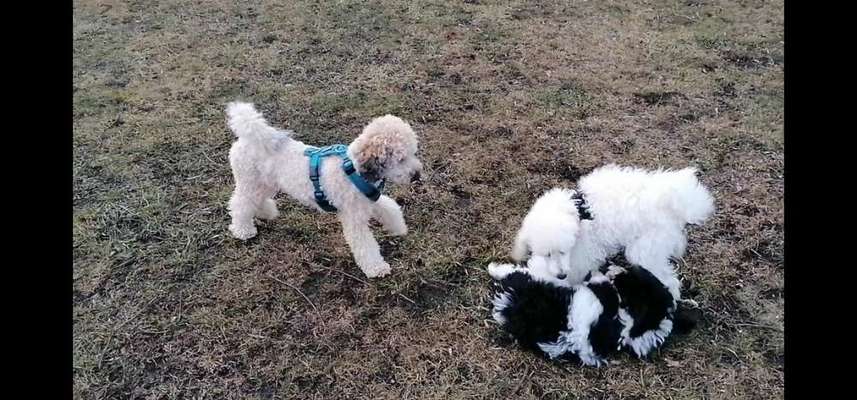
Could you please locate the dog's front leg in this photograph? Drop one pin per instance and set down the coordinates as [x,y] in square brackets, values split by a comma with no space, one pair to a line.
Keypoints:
[389,214]
[363,246]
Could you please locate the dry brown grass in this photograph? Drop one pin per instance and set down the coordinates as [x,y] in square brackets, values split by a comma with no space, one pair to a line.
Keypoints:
[510,98]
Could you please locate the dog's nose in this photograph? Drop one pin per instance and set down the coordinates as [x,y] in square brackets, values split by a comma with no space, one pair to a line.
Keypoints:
[561,276]
[416,177]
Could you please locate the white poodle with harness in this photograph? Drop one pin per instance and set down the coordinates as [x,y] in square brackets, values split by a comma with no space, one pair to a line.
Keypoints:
[345,180]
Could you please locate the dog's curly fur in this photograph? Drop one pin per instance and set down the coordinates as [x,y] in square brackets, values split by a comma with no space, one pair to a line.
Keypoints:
[640,213]
[616,307]
[266,160]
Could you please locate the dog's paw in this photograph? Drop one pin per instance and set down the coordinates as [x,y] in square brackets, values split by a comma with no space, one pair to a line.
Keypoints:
[377,271]
[242,232]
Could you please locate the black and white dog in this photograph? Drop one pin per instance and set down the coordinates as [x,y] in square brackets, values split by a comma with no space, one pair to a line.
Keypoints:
[616,308]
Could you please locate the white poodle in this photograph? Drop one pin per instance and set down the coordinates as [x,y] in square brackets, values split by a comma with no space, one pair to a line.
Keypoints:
[266,160]
[615,209]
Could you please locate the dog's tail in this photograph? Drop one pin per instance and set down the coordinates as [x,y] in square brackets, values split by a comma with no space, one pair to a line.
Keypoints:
[689,198]
[246,122]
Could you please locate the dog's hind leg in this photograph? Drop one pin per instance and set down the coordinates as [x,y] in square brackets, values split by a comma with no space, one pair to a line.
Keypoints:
[364,247]
[267,210]
[389,214]
[246,202]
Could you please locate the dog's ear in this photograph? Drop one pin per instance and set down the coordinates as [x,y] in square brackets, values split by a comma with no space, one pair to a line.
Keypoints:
[372,169]
[373,157]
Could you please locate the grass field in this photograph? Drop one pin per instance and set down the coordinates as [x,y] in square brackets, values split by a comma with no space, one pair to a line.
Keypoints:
[509,98]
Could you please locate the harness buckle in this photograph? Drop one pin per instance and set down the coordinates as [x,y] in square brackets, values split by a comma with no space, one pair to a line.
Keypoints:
[348,166]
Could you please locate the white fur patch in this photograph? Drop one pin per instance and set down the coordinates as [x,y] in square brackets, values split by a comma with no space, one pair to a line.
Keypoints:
[585,310]
[499,271]
[646,342]
[569,342]
[501,302]
[558,348]
[541,269]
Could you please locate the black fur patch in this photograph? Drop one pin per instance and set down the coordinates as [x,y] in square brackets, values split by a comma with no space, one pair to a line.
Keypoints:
[582,205]
[645,298]
[537,312]
[607,295]
[618,260]
[685,319]
[604,335]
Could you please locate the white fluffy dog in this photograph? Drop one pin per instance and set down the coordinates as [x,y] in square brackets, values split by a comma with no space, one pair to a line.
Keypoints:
[615,209]
[266,160]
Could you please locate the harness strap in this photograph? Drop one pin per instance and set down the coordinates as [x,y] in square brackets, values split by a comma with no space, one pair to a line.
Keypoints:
[368,189]
[315,155]
[320,198]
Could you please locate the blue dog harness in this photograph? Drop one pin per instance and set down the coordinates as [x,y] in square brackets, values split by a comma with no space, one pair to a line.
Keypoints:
[315,155]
